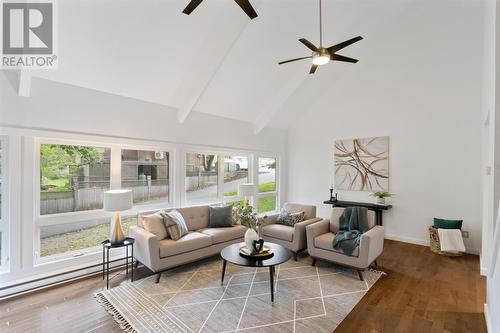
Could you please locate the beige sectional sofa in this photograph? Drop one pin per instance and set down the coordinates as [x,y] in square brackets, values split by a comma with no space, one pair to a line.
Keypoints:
[200,242]
[293,238]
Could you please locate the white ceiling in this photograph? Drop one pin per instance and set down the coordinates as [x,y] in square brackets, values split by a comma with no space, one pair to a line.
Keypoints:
[218,61]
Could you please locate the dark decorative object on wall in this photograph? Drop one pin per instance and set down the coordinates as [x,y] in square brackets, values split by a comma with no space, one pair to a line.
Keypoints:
[362,164]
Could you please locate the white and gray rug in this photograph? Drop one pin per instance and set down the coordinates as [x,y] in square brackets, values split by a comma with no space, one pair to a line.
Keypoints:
[191,299]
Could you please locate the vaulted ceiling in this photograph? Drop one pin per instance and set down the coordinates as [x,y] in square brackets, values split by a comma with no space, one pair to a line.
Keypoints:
[217,60]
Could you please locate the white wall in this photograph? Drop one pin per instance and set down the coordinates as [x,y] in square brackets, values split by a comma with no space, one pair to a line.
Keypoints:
[421,85]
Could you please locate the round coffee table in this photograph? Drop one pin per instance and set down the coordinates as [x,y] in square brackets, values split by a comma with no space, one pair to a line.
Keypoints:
[231,253]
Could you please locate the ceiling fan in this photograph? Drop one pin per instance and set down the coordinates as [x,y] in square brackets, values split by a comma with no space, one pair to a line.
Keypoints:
[244,4]
[323,55]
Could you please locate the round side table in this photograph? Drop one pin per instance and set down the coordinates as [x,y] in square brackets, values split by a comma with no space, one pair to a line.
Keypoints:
[106,246]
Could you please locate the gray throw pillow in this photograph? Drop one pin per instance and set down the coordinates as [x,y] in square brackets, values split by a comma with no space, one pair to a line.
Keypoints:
[290,219]
[176,226]
[220,217]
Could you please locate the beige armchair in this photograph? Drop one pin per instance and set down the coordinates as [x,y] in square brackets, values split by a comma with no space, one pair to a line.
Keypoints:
[320,237]
[293,238]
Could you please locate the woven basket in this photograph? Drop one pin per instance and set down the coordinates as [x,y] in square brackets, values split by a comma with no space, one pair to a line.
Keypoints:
[436,246]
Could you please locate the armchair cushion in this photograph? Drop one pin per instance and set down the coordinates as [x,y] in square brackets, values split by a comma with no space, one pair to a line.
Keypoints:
[189,242]
[279,231]
[325,242]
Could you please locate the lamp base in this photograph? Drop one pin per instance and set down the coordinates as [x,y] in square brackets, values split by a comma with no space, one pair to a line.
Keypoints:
[116,235]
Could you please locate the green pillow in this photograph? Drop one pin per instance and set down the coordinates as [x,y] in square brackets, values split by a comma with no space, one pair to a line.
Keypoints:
[220,217]
[447,224]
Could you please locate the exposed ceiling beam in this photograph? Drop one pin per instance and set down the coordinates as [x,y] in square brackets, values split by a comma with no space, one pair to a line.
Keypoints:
[205,64]
[272,106]
[24,88]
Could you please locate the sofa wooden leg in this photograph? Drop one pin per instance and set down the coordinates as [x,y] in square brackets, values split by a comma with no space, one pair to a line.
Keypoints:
[360,273]
[294,256]
[314,262]
[375,263]
[158,275]
[136,263]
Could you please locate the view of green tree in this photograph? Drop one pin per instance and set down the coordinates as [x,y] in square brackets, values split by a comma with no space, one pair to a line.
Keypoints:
[57,159]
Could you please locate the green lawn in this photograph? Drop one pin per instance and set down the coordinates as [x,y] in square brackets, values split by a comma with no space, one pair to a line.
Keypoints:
[267,204]
[80,239]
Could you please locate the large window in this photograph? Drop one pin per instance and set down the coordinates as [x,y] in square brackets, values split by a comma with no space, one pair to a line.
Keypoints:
[146,173]
[201,178]
[267,188]
[73,178]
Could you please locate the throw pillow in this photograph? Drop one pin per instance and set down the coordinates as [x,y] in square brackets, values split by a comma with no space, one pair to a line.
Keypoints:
[447,224]
[220,217]
[176,226]
[154,224]
[290,219]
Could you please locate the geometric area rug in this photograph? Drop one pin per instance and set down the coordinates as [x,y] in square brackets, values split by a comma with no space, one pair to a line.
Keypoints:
[191,299]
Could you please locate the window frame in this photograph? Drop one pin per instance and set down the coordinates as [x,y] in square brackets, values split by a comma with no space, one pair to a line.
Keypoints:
[5,204]
[277,192]
[221,154]
[40,220]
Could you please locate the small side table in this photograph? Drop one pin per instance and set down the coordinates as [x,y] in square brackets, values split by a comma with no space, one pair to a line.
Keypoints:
[106,246]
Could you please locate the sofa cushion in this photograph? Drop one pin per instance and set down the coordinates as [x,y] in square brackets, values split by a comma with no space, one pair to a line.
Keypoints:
[221,235]
[220,217]
[325,242]
[279,231]
[176,226]
[189,242]
[196,217]
[154,224]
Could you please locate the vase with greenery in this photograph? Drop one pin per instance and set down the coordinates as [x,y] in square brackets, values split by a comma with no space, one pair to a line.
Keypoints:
[247,217]
[381,195]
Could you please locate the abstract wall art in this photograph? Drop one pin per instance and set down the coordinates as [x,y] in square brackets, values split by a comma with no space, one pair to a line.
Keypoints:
[362,164]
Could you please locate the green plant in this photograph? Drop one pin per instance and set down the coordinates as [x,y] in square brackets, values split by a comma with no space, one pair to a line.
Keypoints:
[381,194]
[247,217]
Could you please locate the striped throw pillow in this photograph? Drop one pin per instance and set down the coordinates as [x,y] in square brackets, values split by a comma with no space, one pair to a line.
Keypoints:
[176,226]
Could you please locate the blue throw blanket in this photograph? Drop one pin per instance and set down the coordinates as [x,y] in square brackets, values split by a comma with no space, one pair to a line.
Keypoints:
[352,224]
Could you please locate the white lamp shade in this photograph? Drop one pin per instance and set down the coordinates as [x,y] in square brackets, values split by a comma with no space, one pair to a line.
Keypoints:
[246,190]
[117,200]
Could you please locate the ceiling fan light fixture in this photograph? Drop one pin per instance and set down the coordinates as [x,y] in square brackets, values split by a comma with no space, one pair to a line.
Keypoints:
[321,59]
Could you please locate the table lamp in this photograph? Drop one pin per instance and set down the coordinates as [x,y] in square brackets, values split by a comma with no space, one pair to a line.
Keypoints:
[247,191]
[116,201]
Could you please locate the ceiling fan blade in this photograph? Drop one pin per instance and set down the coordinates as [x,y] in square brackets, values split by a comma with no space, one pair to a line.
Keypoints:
[308,44]
[191,6]
[284,62]
[340,46]
[247,8]
[338,57]
[313,69]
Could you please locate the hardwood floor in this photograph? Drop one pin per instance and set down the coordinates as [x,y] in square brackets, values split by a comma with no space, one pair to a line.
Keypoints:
[422,292]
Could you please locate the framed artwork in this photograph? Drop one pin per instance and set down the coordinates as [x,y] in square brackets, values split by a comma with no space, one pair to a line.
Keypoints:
[362,164]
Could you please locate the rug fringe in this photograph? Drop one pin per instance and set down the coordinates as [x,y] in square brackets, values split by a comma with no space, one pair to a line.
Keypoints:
[117,316]
[371,269]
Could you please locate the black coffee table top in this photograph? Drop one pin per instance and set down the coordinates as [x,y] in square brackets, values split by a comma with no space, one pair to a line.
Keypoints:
[231,253]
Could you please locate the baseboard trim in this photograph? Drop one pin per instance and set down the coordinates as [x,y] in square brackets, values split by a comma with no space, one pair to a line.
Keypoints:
[483,271]
[487,318]
[423,242]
